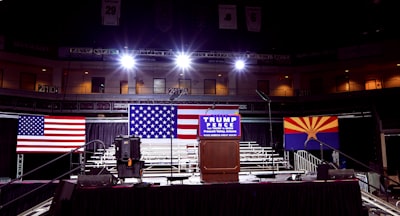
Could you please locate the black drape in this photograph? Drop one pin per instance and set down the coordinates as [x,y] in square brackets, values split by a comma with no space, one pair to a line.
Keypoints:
[355,134]
[260,132]
[105,132]
[8,140]
[303,198]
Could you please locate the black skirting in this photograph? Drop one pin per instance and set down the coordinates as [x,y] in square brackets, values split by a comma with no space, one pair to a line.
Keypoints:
[273,198]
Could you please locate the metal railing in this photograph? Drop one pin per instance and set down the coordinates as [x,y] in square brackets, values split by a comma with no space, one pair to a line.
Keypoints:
[72,169]
[304,160]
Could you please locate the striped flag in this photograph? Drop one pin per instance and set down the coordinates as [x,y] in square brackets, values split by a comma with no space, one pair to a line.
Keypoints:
[161,122]
[50,134]
[302,132]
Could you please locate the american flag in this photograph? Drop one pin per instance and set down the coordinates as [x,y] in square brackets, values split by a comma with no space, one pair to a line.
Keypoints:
[166,121]
[45,134]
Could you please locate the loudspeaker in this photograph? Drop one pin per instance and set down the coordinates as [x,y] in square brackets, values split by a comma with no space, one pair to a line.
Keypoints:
[127,147]
[322,171]
[133,171]
[341,173]
[96,180]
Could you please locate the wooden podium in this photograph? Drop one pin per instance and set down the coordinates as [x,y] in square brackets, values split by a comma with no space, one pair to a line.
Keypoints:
[219,159]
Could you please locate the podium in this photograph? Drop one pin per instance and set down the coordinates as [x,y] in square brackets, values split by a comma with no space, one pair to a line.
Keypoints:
[219,148]
[219,159]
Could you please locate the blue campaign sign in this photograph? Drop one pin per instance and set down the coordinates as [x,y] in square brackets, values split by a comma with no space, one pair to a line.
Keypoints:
[219,125]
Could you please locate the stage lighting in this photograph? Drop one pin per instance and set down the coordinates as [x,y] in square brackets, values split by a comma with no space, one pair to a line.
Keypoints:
[183,61]
[127,61]
[240,64]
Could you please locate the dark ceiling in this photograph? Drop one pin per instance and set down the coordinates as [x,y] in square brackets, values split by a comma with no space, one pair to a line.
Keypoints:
[287,25]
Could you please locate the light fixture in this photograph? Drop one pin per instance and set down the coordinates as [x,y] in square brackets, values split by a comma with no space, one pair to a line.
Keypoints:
[240,64]
[127,61]
[183,61]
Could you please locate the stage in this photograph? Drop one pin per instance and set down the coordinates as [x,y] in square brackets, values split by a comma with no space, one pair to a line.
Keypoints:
[276,196]
[252,195]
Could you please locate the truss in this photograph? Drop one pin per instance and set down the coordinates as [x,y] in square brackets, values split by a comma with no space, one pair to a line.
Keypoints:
[171,53]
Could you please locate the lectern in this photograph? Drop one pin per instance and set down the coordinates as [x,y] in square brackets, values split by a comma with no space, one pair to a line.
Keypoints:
[219,145]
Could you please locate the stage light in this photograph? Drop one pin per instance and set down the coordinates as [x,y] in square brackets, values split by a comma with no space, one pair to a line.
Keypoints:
[127,61]
[240,64]
[183,61]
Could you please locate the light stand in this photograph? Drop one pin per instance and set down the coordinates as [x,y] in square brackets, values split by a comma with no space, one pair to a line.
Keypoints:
[172,178]
[268,100]
[172,98]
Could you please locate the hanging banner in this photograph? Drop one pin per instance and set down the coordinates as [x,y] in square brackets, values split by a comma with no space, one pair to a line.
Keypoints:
[253,19]
[110,12]
[227,17]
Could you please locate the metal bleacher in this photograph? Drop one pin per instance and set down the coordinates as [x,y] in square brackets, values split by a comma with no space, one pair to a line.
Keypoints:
[158,158]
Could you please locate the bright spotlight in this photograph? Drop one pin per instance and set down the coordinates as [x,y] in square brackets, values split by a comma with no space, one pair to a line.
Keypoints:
[239,64]
[183,61]
[127,61]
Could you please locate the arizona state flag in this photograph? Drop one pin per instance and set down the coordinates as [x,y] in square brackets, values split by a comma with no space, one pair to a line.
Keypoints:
[305,132]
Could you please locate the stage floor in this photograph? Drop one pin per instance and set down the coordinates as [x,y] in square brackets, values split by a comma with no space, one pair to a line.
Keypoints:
[244,177]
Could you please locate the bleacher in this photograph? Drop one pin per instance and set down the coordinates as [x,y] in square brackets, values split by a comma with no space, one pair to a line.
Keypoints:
[254,157]
[158,158]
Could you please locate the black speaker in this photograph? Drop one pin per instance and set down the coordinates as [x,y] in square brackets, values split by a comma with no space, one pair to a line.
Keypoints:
[96,180]
[322,171]
[133,171]
[127,147]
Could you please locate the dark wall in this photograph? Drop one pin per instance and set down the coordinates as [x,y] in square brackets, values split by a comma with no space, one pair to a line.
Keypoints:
[358,139]
[8,136]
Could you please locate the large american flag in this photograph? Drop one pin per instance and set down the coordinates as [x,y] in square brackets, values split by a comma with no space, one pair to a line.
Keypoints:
[55,134]
[165,121]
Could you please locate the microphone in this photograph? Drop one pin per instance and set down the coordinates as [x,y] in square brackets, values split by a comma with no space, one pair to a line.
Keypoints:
[305,143]
[210,108]
[263,95]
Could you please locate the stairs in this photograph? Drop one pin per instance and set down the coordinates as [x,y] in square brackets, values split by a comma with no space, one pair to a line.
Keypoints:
[41,209]
[375,205]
